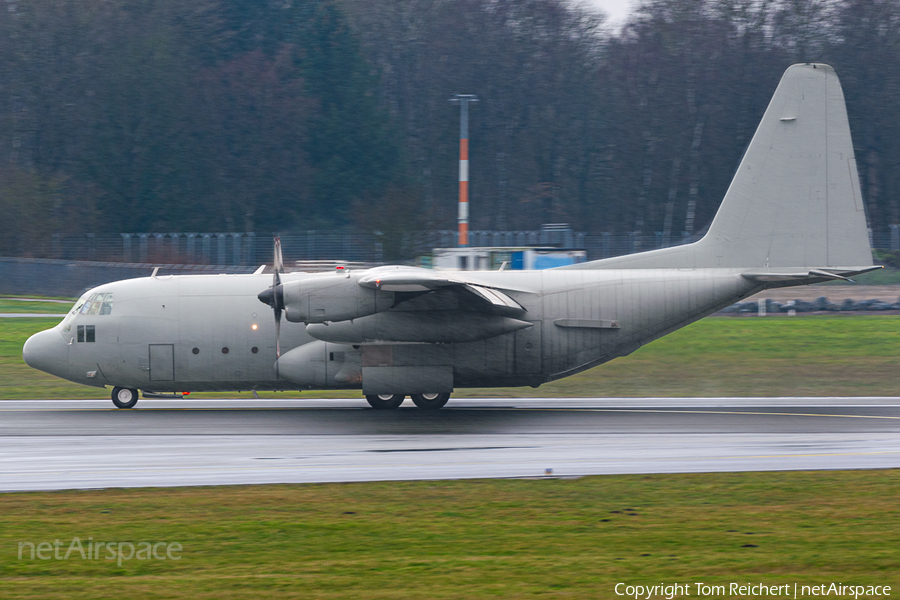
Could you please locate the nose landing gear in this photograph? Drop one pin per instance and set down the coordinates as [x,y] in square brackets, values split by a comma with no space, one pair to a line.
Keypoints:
[124,397]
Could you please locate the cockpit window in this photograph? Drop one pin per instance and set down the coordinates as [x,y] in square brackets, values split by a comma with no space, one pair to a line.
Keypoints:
[98,304]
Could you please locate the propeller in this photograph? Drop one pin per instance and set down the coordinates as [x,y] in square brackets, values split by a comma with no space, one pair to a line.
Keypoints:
[274,296]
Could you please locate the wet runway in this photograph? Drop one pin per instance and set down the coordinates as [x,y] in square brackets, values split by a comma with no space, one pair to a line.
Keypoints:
[48,445]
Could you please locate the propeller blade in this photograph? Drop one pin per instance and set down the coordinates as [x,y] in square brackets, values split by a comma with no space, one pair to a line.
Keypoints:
[278,303]
[277,333]
[274,296]
[279,259]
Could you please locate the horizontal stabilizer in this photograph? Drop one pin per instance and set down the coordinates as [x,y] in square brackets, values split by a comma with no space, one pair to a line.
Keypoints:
[810,276]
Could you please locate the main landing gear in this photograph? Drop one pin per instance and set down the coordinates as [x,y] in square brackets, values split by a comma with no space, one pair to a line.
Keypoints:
[430,401]
[423,401]
[385,401]
[124,397]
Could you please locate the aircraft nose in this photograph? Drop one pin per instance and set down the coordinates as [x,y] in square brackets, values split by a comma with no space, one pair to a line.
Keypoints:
[47,351]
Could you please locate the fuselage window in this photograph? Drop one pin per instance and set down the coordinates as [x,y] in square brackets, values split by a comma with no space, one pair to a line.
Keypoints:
[86,333]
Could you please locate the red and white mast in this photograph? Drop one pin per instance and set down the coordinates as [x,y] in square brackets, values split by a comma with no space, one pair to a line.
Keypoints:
[463,215]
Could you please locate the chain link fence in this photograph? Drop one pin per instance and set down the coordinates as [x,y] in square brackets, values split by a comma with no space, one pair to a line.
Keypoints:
[78,262]
[251,248]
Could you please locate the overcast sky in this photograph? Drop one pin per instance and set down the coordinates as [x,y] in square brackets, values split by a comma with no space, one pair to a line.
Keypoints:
[616,10]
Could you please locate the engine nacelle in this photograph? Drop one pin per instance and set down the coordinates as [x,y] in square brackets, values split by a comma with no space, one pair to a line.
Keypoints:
[321,366]
[436,327]
[331,298]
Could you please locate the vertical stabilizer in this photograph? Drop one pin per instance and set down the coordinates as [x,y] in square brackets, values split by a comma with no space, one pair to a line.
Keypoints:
[794,200]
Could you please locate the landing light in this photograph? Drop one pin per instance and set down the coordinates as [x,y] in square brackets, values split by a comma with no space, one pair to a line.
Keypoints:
[254,327]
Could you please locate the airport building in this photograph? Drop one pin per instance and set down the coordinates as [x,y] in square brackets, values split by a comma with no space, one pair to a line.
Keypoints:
[493,258]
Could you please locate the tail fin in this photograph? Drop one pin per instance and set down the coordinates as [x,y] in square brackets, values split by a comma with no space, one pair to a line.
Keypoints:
[795,200]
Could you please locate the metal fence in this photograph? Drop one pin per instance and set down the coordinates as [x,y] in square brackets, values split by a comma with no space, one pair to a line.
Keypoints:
[82,262]
[51,277]
[250,248]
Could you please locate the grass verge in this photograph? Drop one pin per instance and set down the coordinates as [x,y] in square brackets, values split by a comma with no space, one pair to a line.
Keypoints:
[37,306]
[464,539]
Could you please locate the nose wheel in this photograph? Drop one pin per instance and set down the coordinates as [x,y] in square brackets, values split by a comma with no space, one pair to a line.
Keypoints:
[124,397]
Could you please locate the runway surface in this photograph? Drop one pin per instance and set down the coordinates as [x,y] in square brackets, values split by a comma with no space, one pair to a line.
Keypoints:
[49,445]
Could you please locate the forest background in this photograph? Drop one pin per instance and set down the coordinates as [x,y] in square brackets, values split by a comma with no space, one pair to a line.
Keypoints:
[228,115]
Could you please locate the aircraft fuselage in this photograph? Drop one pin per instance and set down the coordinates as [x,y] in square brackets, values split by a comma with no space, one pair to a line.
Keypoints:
[197,333]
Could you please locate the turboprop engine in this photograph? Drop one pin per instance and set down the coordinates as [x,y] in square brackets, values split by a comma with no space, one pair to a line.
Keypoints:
[333,298]
[394,305]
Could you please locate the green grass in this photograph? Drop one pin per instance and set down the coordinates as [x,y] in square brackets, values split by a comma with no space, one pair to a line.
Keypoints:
[18,380]
[464,539]
[844,355]
[12,305]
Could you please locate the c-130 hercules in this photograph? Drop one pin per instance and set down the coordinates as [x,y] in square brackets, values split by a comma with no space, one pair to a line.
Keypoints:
[793,215]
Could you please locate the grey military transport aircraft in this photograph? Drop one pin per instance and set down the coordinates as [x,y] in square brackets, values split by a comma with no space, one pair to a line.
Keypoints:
[793,215]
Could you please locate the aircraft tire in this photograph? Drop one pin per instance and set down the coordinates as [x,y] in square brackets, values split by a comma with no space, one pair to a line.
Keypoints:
[385,401]
[430,401]
[124,397]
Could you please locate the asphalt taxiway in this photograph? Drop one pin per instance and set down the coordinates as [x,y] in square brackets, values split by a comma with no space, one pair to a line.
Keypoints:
[49,445]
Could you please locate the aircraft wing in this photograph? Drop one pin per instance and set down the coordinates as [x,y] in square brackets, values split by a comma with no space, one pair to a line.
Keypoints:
[414,279]
[409,279]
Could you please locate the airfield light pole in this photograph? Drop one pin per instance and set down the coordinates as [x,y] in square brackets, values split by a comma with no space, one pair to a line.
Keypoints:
[463,216]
